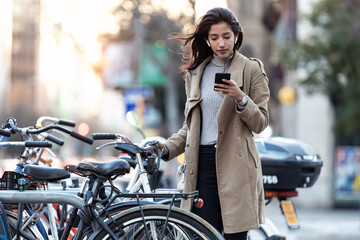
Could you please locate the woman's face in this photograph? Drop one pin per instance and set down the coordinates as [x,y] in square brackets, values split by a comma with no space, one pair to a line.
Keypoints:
[221,39]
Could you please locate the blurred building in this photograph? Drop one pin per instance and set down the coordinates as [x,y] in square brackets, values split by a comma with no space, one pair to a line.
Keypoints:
[46,69]
[5,52]
[49,55]
[21,56]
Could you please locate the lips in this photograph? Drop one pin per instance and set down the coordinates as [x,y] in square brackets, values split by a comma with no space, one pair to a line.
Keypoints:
[222,51]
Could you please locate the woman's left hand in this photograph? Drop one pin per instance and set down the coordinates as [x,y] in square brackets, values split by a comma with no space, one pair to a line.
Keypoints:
[231,89]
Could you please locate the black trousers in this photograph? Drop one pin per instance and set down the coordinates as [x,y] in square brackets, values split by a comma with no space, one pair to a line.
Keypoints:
[208,191]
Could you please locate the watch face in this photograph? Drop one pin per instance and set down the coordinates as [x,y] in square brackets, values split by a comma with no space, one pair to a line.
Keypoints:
[244,100]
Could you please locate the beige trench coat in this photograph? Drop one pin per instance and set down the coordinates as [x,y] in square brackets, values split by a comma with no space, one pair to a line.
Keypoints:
[238,165]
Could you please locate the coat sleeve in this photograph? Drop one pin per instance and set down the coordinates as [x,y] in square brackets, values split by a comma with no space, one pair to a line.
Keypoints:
[255,114]
[176,143]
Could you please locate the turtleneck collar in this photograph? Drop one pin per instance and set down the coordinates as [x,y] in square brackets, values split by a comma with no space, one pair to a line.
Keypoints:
[222,62]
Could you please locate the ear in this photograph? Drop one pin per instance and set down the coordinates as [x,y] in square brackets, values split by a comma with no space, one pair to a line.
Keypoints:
[236,38]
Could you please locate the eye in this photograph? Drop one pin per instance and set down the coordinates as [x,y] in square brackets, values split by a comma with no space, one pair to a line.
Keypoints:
[227,36]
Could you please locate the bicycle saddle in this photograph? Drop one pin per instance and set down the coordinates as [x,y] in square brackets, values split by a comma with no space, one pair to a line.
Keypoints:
[107,169]
[131,161]
[49,174]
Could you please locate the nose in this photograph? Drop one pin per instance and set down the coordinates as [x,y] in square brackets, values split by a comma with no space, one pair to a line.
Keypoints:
[221,42]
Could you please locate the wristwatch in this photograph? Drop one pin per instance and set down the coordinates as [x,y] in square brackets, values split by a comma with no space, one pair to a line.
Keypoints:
[243,102]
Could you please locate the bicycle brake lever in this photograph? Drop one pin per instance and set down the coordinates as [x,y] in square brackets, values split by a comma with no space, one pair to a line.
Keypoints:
[105,145]
[60,133]
[51,152]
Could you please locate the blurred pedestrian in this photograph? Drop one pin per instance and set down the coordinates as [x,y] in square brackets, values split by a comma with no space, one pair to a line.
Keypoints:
[222,161]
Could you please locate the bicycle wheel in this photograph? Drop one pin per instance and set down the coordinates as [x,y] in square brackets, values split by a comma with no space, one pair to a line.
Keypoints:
[179,225]
[30,231]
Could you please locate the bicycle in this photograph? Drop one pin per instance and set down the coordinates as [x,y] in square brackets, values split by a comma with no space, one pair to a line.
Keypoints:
[172,214]
[156,220]
[34,142]
[145,165]
[13,180]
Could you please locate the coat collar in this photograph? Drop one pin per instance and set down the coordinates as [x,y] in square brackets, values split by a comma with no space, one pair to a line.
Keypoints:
[196,79]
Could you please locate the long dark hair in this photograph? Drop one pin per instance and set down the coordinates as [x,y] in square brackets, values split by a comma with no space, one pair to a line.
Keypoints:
[199,50]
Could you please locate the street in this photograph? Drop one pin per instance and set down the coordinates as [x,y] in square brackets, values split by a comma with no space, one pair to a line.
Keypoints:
[318,224]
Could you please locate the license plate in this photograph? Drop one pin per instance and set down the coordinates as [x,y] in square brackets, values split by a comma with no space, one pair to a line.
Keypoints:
[288,209]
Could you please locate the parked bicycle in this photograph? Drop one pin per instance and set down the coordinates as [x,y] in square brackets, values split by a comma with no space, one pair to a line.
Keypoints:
[97,219]
[99,209]
[34,142]
[97,222]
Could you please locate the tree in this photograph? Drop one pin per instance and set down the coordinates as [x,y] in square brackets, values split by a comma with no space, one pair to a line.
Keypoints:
[330,58]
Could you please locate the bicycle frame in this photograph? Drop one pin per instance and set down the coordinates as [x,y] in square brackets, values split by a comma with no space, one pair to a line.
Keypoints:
[41,197]
[140,179]
[48,198]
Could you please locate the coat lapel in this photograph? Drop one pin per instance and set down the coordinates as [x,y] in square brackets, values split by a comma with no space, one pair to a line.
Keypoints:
[196,78]
[236,69]
[195,92]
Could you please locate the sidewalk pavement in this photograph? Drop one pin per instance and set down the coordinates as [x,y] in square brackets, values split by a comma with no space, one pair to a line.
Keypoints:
[318,223]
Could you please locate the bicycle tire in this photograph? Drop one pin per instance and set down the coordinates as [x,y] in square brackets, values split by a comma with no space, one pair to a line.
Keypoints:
[30,230]
[180,224]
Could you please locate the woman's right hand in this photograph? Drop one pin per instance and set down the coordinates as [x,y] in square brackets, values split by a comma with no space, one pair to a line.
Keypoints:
[163,147]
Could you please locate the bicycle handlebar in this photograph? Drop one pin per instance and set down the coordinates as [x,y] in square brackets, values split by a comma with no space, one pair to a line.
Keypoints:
[5,132]
[152,145]
[104,136]
[12,127]
[54,120]
[67,123]
[71,133]
[40,144]
[81,138]
[54,139]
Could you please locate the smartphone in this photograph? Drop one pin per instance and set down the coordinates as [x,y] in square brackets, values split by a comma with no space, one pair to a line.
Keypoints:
[220,76]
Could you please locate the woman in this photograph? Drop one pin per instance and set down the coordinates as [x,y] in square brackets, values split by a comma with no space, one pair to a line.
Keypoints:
[221,156]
